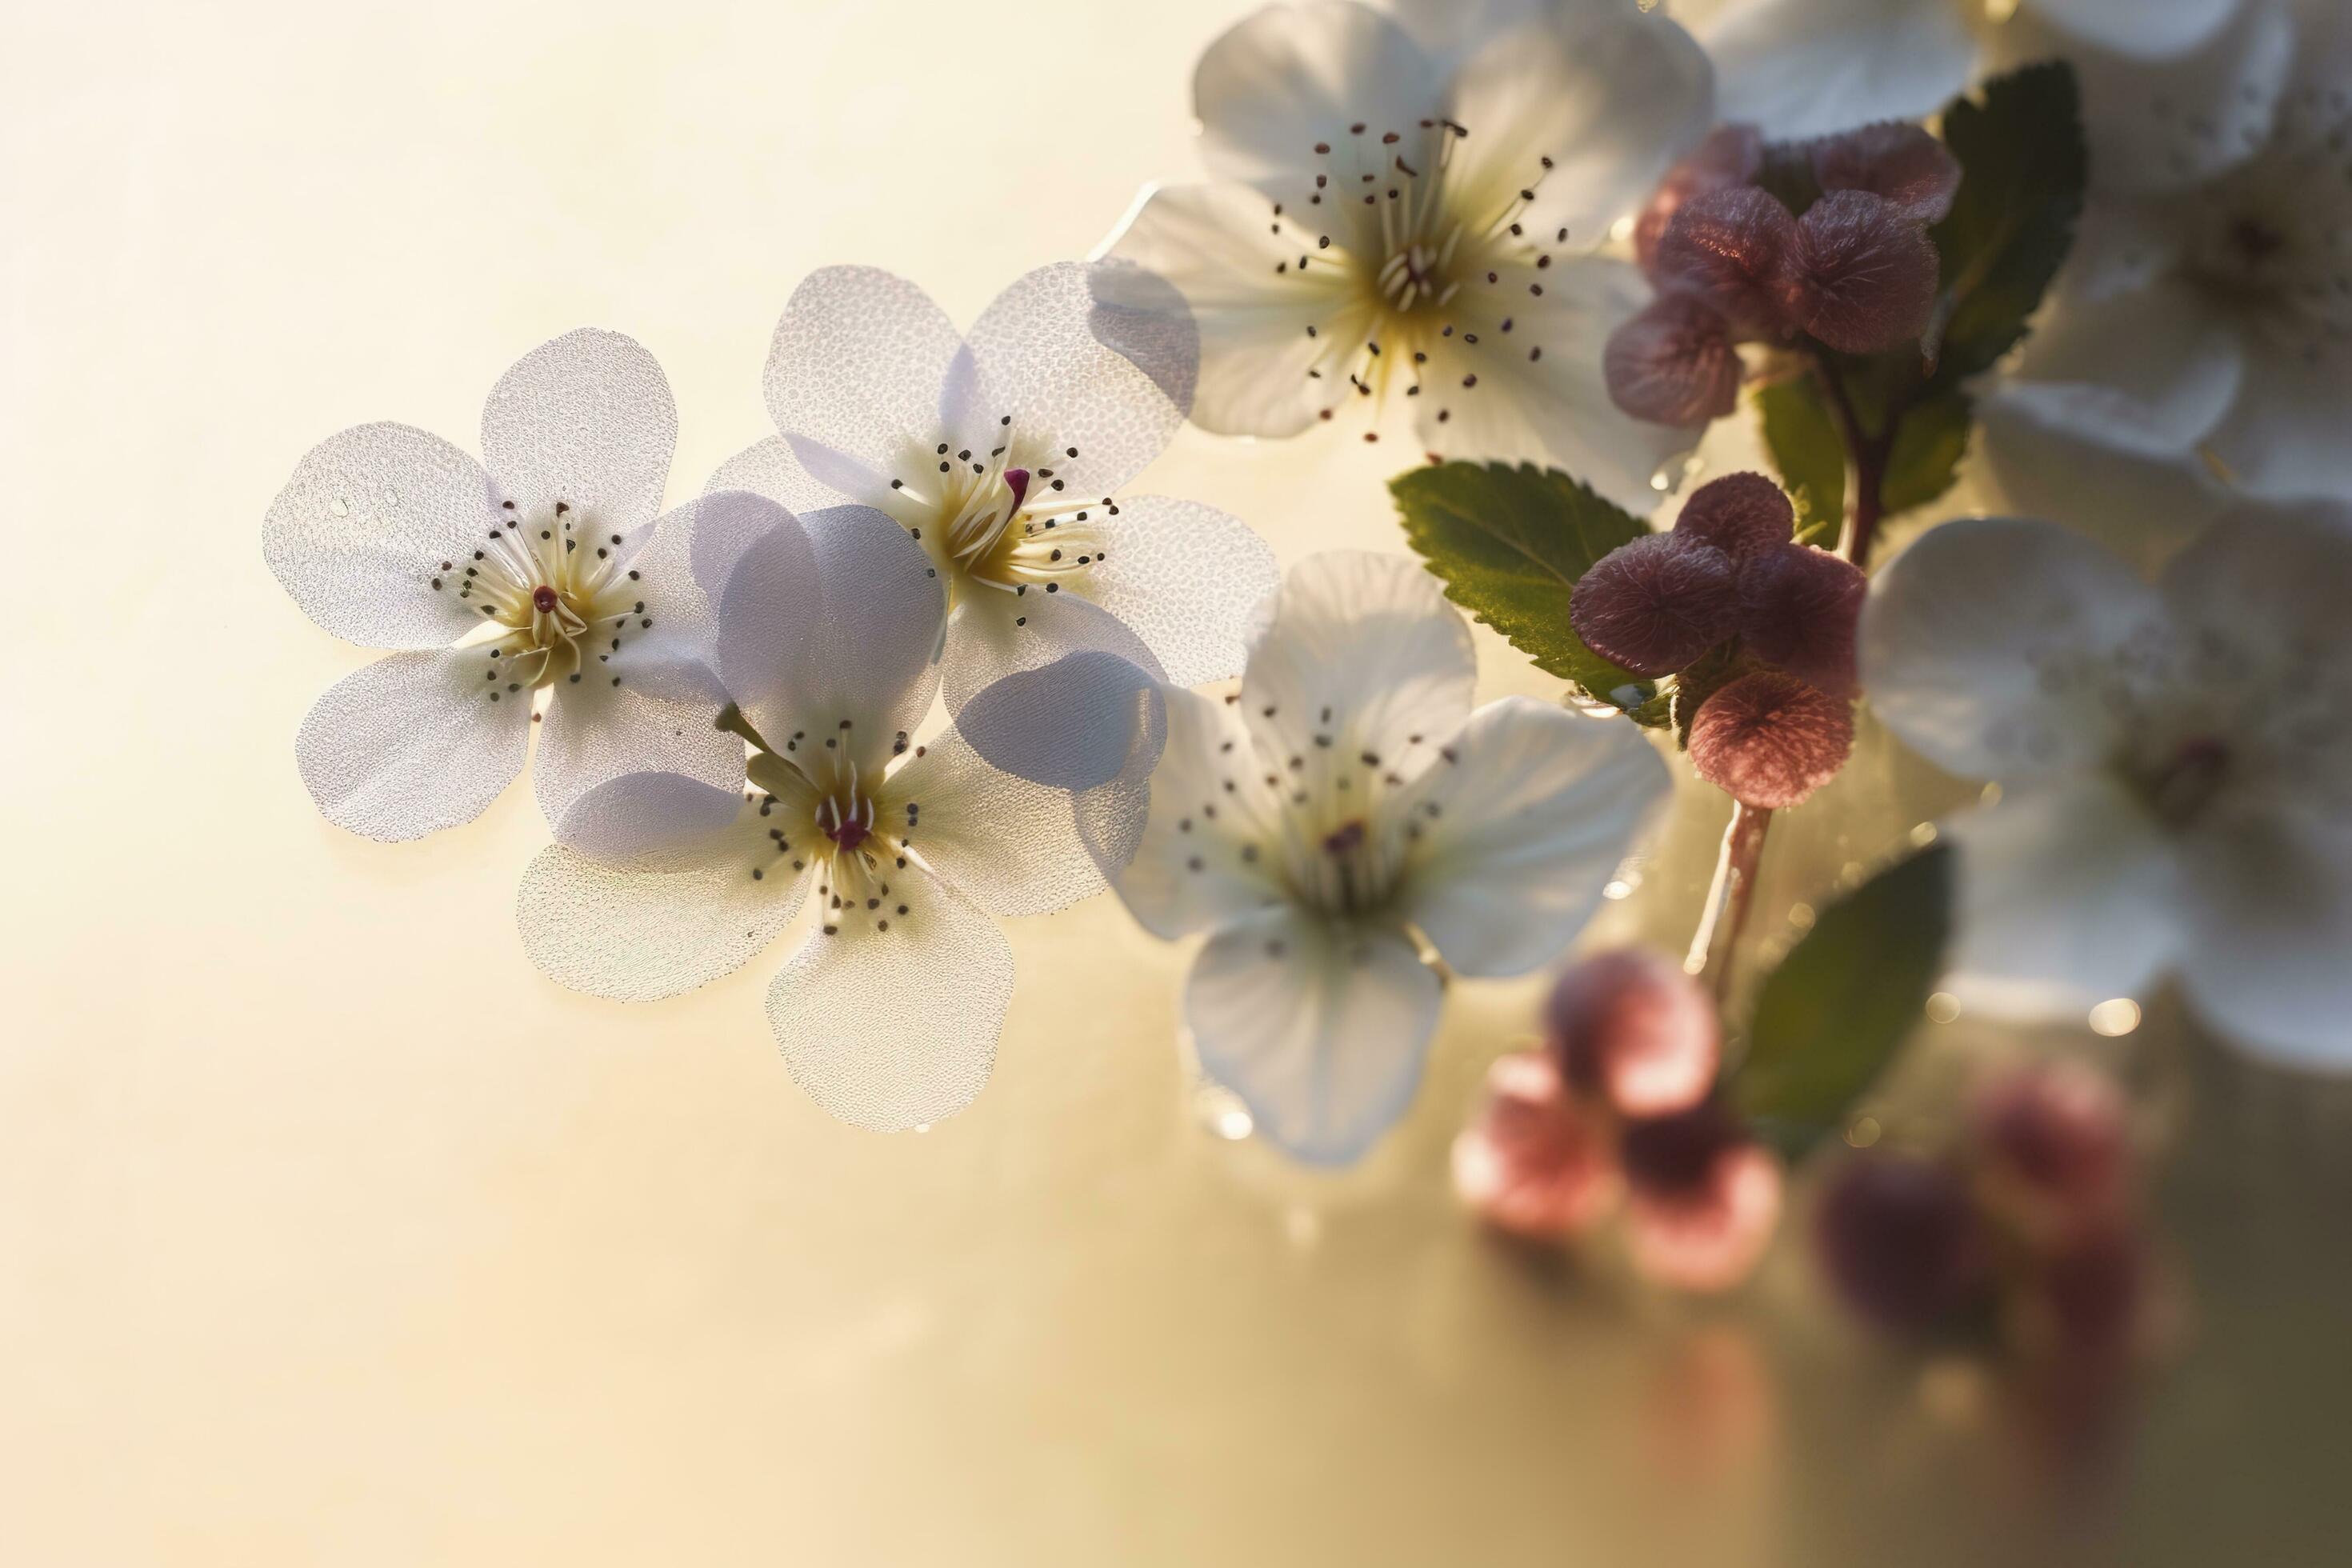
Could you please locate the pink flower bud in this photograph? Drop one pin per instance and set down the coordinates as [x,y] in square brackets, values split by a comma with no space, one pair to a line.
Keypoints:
[1632,1028]
[1730,155]
[1769,739]
[2090,1297]
[1895,160]
[1533,1162]
[1673,363]
[1798,607]
[1901,1242]
[1868,273]
[1703,1199]
[2055,1140]
[1652,606]
[1734,251]
[1739,514]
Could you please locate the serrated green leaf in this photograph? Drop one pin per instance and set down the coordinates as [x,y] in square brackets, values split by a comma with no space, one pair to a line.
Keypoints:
[1805,446]
[1835,1011]
[2023,164]
[1510,544]
[1924,462]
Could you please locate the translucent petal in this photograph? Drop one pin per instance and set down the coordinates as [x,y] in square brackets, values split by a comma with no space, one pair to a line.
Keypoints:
[1286,77]
[896,1028]
[683,567]
[2284,437]
[1357,654]
[586,418]
[2270,917]
[857,362]
[1321,1031]
[2148,373]
[1808,67]
[413,744]
[367,523]
[1184,578]
[1254,297]
[661,920]
[1208,851]
[1010,846]
[1040,355]
[1051,687]
[1990,646]
[2143,509]
[1526,814]
[771,468]
[595,731]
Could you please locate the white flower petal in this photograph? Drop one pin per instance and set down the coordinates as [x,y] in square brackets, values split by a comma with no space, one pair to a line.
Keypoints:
[857,362]
[1261,330]
[1053,689]
[1288,77]
[586,418]
[1010,846]
[1099,358]
[2285,439]
[1610,95]
[1521,824]
[1808,67]
[1357,654]
[1450,31]
[2145,29]
[1184,578]
[2273,580]
[413,744]
[1988,647]
[896,1029]
[2069,894]
[771,468]
[365,526]
[595,731]
[2143,509]
[2147,373]
[1535,391]
[2269,914]
[661,920]
[1321,1032]
[682,570]
[1203,859]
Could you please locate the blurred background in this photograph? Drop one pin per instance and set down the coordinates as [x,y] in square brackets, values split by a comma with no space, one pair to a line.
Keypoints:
[332,1234]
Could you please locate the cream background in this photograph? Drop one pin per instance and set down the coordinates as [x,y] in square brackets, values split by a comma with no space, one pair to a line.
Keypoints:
[331,1233]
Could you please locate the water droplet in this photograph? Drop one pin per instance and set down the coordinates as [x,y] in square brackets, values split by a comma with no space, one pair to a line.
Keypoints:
[1943,1007]
[339,507]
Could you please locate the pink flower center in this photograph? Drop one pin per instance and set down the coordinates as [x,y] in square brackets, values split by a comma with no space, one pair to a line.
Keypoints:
[544,600]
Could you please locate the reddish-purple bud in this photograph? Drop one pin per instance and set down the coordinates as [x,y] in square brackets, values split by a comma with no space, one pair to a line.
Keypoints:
[1739,514]
[1673,363]
[1895,160]
[1631,1028]
[1652,606]
[1704,1198]
[1533,1162]
[2055,1141]
[2091,1294]
[1769,739]
[1867,273]
[1730,155]
[1798,607]
[1901,1242]
[1735,251]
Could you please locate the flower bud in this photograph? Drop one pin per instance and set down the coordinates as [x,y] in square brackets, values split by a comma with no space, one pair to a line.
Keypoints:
[1734,251]
[2055,1140]
[1895,160]
[1673,363]
[1703,1198]
[2090,1297]
[1730,155]
[1533,1162]
[1799,608]
[1867,273]
[1632,1029]
[1900,1241]
[1739,514]
[1769,739]
[1652,606]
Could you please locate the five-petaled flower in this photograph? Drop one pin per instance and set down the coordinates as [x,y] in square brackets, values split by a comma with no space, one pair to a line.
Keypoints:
[1342,803]
[2174,760]
[523,592]
[1412,206]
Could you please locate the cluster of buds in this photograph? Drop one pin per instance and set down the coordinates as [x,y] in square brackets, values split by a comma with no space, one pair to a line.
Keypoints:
[1769,621]
[1617,1113]
[2031,1224]
[1852,269]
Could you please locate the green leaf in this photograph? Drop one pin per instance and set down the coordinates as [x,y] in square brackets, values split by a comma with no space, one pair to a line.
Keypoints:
[1806,447]
[1831,1017]
[1924,462]
[1510,544]
[2023,164]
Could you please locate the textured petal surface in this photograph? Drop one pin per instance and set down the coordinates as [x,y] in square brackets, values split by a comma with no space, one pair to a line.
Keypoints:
[653,923]
[1199,864]
[1536,807]
[1289,75]
[595,731]
[1051,687]
[587,418]
[772,469]
[896,1029]
[1009,845]
[1989,647]
[412,743]
[1807,67]
[857,362]
[1321,1031]
[1184,578]
[2269,921]
[365,526]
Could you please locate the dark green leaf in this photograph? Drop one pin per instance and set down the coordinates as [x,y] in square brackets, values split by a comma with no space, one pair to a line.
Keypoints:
[1846,996]
[2022,162]
[1510,544]
[1806,447]
[1930,442]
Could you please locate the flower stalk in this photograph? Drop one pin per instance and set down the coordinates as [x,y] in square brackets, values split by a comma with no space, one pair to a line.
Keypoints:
[1725,915]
